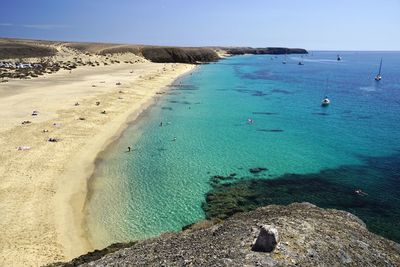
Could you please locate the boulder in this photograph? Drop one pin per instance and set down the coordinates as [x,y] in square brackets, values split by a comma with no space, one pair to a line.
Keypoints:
[267,239]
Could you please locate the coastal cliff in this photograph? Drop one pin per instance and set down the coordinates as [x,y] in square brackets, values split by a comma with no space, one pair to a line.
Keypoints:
[179,55]
[22,49]
[26,59]
[303,235]
[263,51]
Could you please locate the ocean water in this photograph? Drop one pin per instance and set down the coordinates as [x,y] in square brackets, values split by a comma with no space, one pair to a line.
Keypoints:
[161,184]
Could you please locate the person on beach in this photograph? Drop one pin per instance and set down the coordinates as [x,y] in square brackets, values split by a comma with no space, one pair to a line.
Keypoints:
[129,149]
[160,124]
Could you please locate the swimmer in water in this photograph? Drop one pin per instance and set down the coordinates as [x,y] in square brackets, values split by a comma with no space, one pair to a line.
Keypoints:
[360,192]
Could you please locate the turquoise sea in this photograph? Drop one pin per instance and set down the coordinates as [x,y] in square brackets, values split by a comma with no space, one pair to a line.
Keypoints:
[354,143]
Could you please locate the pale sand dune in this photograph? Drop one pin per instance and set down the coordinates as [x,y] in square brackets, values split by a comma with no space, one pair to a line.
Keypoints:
[42,190]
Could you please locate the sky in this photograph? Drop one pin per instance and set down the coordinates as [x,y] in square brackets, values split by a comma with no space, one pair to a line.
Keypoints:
[309,24]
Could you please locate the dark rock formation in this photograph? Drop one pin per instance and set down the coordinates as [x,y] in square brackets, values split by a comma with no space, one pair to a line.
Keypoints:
[179,55]
[308,236]
[266,240]
[262,51]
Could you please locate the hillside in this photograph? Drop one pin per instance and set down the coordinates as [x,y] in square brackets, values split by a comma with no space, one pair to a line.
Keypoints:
[21,49]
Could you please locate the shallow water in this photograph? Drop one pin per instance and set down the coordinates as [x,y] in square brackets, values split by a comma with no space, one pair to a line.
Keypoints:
[160,185]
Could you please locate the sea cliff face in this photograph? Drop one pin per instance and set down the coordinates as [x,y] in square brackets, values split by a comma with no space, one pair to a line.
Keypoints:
[305,235]
[179,55]
[262,51]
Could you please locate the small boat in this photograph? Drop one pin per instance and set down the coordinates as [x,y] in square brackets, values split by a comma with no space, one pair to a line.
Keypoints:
[338,58]
[325,102]
[378,77]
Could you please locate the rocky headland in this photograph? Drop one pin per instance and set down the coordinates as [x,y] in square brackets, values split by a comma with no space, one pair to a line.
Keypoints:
[299,234]
[264,50]
[25,59]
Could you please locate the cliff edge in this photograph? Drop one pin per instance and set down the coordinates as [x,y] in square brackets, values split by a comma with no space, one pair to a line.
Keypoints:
[299,234]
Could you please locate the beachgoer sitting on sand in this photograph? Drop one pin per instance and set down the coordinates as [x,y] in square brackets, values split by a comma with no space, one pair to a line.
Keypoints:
[45,131]
[97,103]
[26,122]
[51,139]
[103,112]
[76,104]
[118,83]
[35,113]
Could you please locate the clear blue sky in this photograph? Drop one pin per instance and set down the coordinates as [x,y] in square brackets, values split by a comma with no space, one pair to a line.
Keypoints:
[310,24]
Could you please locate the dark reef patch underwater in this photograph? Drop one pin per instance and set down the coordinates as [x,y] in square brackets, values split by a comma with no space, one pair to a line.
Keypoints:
[378,177]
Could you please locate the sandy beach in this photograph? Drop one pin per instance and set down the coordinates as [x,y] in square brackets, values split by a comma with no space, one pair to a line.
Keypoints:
[43,186]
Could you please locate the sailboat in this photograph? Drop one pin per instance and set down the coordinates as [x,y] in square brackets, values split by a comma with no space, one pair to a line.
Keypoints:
[378,77]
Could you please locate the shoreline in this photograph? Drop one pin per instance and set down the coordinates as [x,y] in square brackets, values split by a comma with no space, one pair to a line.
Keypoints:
[80,198]
[42,189]
[130,122]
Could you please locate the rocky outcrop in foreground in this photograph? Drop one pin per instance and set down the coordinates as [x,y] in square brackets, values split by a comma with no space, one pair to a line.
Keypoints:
[293,235]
